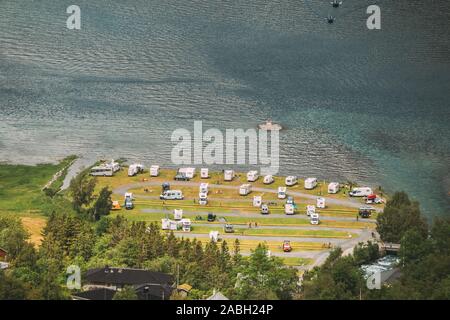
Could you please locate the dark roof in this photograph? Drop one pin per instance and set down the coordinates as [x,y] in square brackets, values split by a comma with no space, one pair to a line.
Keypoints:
[3,250]
[154,292]
[95,294]
[126,276]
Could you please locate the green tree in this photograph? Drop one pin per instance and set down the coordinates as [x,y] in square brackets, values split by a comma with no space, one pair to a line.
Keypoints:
[82,189]
[102,205]
[127,293]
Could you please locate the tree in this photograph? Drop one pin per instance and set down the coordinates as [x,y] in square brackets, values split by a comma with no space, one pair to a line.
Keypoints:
[102,205]
[127,293]
[400,215]
[82,190]
[11,288]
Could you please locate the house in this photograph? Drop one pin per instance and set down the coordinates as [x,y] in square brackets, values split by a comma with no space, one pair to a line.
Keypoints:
[3,254]
[217,295]
[103,283]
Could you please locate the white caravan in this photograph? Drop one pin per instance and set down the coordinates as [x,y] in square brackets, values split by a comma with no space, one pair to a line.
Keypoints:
[310,183]
[188,172]
[204,173]
[202,198]
[204,188]
[333,187]
[290,180]
[102,171]
[128,195]
[252,176]
[245,189]
[314,218]
[167,224]
[214,236]
[321,203]
[154,171]
[310,209]
[268,179]
[281,192]
[186,225]
[360,192]
[134,169]
[178,214]
[228,175]
[257,201]
[289,208]
[172,195]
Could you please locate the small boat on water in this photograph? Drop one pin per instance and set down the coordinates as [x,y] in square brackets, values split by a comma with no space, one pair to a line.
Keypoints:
[270,125]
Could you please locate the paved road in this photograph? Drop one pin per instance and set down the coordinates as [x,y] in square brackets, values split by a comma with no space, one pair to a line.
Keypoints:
[353,203]
[258,215]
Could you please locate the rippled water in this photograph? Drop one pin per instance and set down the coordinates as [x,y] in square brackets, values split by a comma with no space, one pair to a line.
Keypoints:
[370,106]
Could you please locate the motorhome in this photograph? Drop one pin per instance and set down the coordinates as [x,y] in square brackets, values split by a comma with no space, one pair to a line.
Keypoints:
[252,176]
[228,175]
[268,179]
[310,183]
[204,173]
[129,203]
[186,225]
[167,224]
[188,172]
[202,198]
[314,218]
[102,171]
[310,209]
[289,208]
[115,166]
[214,236]
[360,192]
[245,189]
[204,188]
[134,169]
[281,192]
[291,180]
[264,209]
[172,195]
[257,201]
[178,214]
[154,171]
[320,203]
[128,195]
[333,187]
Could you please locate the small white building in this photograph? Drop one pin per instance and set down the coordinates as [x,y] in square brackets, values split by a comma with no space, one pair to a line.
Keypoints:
[204,173]
[154,171]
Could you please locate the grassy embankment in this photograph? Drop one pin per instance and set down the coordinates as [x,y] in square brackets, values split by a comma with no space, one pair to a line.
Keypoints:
[21,193]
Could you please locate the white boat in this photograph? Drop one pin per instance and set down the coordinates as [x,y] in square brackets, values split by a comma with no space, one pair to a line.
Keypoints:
[269,125]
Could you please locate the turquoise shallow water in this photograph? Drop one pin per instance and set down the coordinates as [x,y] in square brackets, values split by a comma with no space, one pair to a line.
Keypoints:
[370,106]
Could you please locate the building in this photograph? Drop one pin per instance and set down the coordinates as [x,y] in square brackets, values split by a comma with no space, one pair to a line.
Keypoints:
[217,295]
[3,254]
[103,283]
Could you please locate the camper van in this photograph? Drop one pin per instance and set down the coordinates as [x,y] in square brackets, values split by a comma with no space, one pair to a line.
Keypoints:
[228,175]
[134,169]
[257,201]
[204,173]
[102,171]
[310,209]
[289,208]
[204,188]
[186,225]
[178,214]
[172,195]
[129,203]
[360,192]
[314,218]
[281,192]
[310,183]
[245,189]
[154,171]
[264,209]
[188,172]
[291,180]
[115,166]
[333,187]
[202,198]
[252,176]
[268,179]
[320,203]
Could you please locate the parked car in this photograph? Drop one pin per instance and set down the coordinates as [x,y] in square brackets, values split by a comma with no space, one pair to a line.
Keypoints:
[287,246]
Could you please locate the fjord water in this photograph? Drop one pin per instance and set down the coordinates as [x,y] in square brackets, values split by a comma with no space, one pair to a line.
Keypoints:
[359,105]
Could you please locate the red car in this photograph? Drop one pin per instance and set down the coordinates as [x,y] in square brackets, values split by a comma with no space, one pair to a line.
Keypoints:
[287,246]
